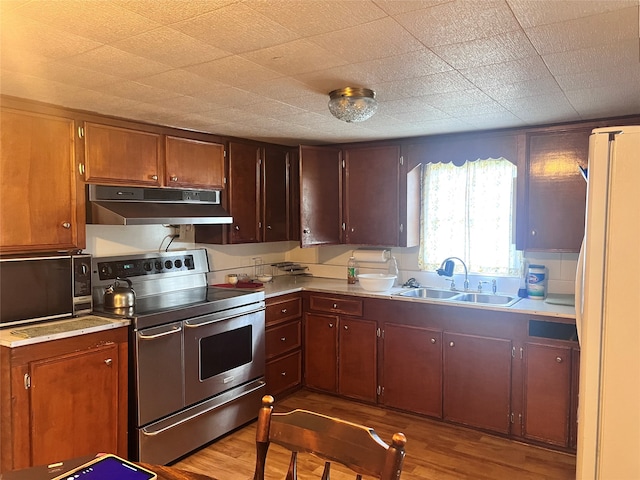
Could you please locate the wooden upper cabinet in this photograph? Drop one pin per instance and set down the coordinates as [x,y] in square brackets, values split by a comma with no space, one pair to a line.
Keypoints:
[41,199]
[194,164]
[372,195]
[276,195]
[320,196]
[555,191]
[123,156]
[244,193]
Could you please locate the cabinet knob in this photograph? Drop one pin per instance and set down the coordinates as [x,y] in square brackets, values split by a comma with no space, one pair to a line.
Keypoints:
[66,225]
[268,227]
[533,233]
[237,227]
[108,362]
[433,340]
[154,177]
[284,310]
[559,359]
[452,344]
[306,230]
[335,305]
[174,178]
[331,325]
[346,327]
[284,374]
[283,339]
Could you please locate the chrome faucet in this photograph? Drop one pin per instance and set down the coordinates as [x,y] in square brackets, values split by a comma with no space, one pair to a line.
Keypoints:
[446,270]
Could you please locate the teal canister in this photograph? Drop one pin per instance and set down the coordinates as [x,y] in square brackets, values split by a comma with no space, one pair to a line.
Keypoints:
[536,277]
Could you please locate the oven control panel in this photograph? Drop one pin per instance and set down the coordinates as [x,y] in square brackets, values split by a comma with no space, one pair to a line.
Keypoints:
[137,267]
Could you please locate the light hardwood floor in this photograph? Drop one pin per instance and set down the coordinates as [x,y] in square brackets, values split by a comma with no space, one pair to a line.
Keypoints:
[434,450]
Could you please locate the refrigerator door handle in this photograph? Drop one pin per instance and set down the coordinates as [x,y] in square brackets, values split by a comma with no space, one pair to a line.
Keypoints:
[579,286]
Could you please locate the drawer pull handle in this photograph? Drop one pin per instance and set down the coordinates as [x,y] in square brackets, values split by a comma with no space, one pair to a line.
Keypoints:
[284,310]
[283,339]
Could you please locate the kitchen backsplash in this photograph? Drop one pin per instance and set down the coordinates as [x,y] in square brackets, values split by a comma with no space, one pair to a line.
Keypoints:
[326,261]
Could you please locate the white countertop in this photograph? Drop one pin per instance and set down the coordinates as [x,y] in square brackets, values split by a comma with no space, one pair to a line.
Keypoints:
[41,332]
[290,284]
[18,336]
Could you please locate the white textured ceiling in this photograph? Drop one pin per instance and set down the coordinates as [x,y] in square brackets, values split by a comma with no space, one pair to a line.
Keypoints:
[262,69]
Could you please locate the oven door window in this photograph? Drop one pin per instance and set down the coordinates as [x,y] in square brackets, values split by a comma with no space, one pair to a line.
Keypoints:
[225,351]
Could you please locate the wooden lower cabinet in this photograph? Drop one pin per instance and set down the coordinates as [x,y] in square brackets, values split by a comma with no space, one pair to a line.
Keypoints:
[547,393]
[477,381]
[283,343]
[64,399]
[412,369]
[357,359]
[341,355]
[321,351]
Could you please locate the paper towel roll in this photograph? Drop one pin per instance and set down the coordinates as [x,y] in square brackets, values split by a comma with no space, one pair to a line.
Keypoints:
[378,255]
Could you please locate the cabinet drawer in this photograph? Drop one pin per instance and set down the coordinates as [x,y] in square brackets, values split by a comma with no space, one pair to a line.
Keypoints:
[336,305]
[279,311]
[284,373]
[282,338]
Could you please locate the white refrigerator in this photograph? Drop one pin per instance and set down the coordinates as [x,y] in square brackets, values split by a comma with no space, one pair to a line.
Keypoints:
[608,310]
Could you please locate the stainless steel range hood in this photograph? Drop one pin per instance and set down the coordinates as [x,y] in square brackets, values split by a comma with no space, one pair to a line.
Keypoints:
[109,205]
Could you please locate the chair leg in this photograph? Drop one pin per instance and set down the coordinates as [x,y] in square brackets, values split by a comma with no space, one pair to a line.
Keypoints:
[326,473]
[292,473]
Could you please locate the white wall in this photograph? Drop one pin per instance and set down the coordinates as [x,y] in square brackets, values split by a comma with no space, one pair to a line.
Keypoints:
[326,261]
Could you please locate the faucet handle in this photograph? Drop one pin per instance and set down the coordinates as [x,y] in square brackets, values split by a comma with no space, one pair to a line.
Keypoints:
[453,283]
[480,284]
[494,285]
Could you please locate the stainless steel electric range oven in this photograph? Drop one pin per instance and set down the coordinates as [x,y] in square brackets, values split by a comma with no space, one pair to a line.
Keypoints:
[197,352]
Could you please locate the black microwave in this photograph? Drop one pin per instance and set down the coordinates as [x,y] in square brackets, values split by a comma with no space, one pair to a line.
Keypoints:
[44,287]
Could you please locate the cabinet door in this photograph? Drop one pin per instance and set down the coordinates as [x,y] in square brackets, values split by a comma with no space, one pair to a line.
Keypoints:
[357,359]
[74,405]
[244,193]
[275,187]
[39,184]
[477,381]
[556,192]
[122,156]
[320,196]
[194,164]
[412,369]
[321,351]
[372,195]
[547,393]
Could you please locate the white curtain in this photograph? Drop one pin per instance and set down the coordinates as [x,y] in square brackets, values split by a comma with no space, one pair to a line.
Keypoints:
[468,211]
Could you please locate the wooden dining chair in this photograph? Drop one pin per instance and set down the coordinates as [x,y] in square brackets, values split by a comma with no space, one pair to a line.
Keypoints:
[333,440]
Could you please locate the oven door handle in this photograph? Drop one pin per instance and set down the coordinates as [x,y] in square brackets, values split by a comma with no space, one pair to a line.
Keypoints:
[142,336]
[217,317]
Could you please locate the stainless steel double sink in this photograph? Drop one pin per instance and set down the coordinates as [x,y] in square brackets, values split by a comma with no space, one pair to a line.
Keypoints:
[462,297]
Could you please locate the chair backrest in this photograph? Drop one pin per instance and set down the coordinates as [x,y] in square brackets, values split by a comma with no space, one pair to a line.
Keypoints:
[331,439]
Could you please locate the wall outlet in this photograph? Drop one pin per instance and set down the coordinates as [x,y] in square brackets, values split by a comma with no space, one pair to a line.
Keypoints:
[185,232]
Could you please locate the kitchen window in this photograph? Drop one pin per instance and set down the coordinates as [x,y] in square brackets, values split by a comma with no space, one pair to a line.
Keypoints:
[468,211]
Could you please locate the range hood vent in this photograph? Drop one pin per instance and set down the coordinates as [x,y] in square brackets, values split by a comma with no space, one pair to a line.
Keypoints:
[109,205]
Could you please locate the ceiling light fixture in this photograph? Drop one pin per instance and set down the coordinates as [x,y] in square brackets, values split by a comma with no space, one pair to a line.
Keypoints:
[352,104]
